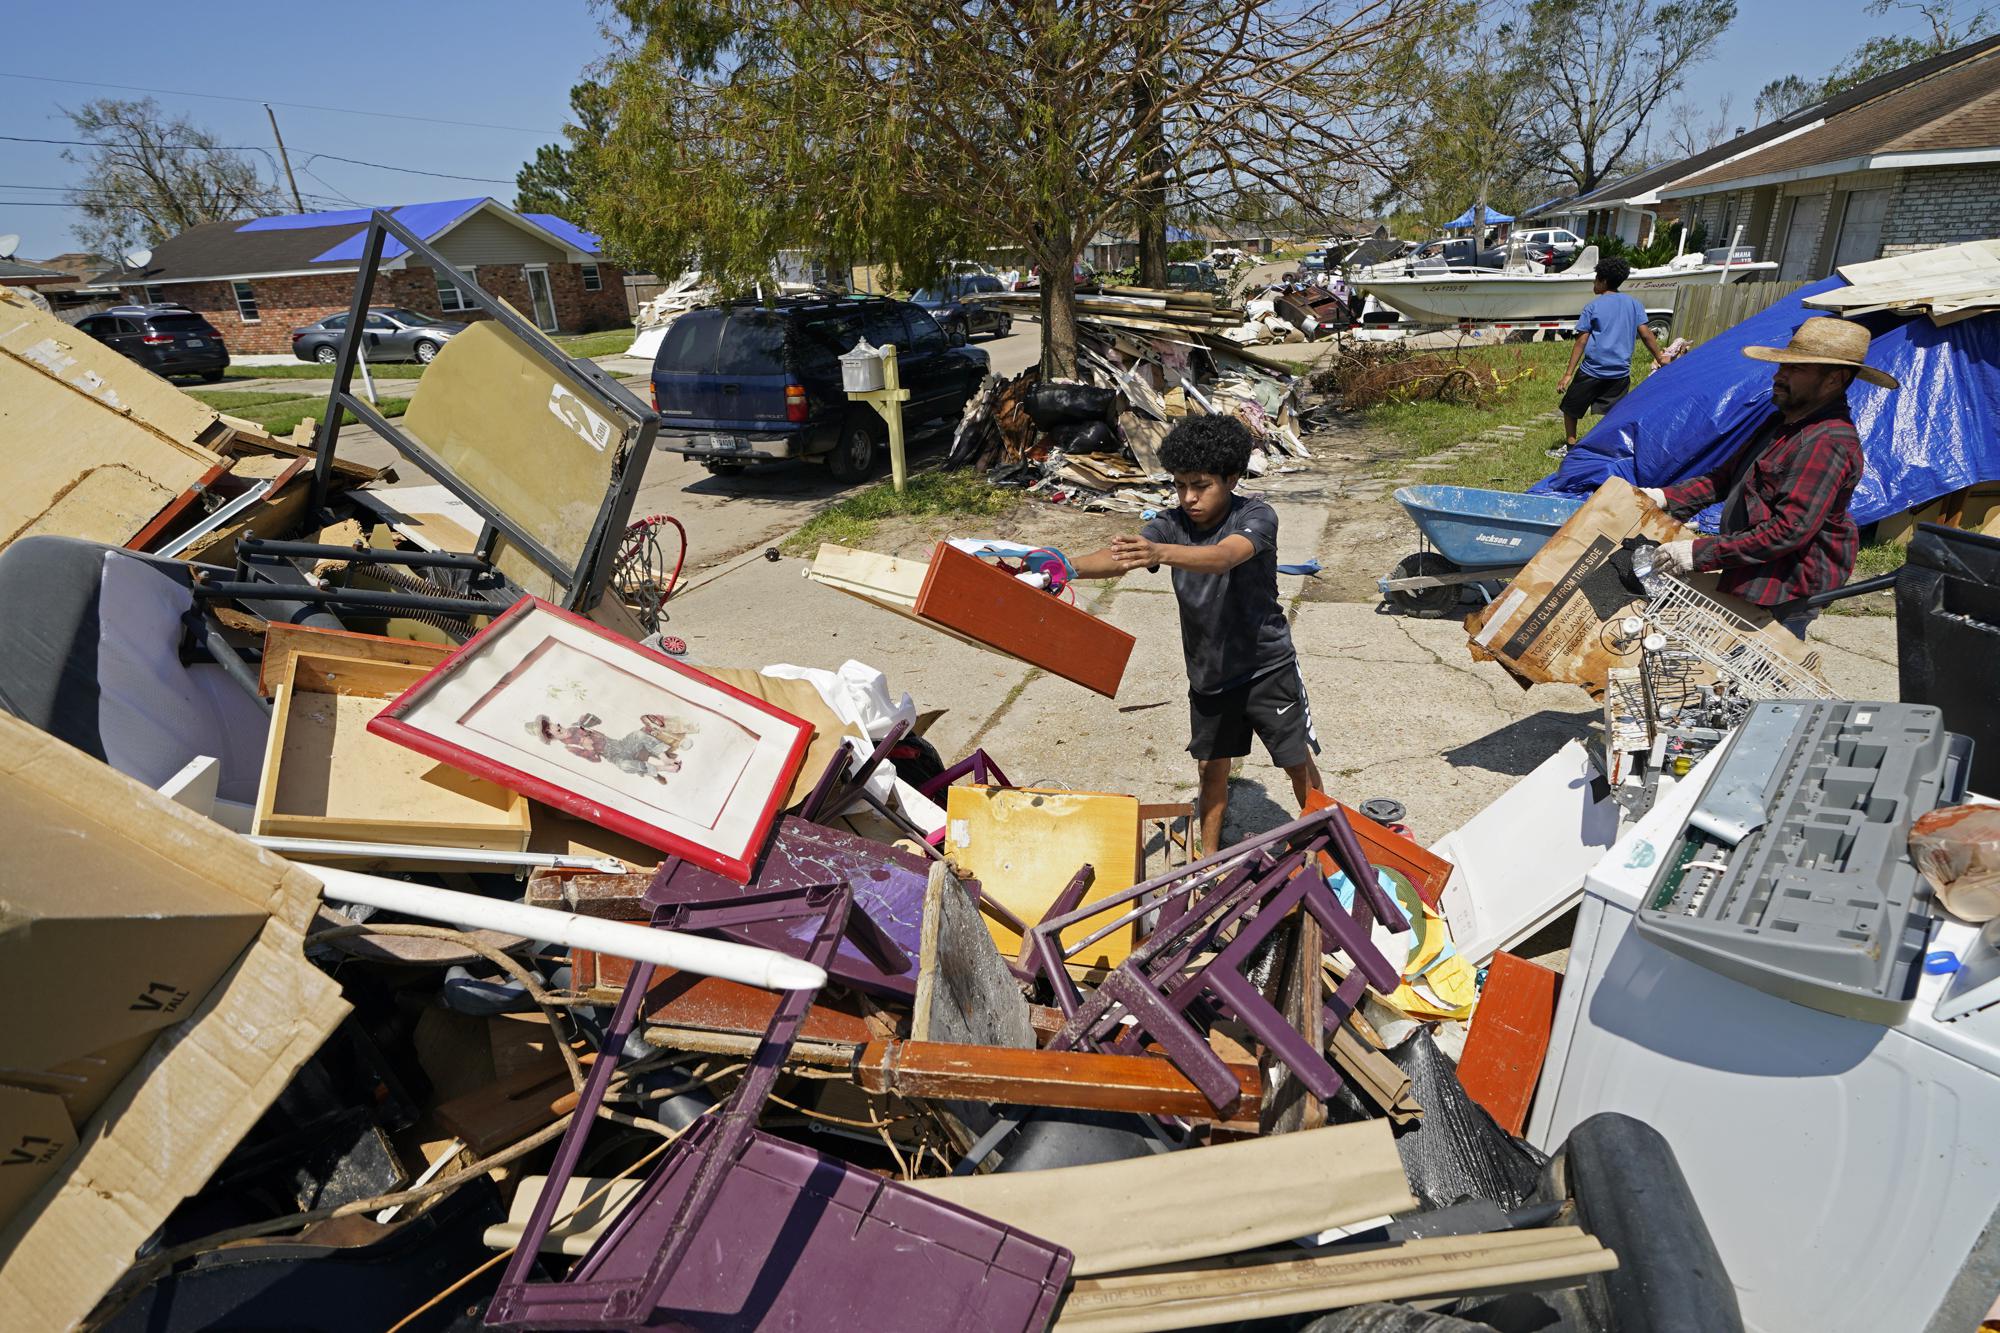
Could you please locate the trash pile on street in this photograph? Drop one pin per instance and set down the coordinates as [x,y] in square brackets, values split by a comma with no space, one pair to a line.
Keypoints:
[1146,362]
[406,939]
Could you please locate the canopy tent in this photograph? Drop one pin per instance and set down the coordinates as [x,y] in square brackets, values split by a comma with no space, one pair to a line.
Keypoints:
[1936,434]
[1493,216]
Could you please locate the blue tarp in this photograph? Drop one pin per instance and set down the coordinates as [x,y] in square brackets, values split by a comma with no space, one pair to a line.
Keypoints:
[1464,219]
[426,220]
[566,231]
[1938,433]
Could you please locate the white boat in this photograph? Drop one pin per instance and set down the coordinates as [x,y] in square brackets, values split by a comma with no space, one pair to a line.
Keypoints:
[1464,296]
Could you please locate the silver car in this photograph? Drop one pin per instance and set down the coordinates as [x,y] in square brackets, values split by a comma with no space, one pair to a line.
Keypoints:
[391,334]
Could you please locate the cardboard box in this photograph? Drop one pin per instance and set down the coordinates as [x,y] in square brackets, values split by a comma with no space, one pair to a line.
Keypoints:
[156,984]
[1551,623]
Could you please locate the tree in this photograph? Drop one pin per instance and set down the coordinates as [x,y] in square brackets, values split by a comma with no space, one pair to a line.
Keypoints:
[1781,97]
[1690,131]
[1880,55]
[1465,136]
[147,178]
[555,180]
[916,131]
[1606,65]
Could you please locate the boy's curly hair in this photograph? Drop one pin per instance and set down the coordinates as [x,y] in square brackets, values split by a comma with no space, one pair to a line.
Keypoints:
[1220,445]
[1613,272]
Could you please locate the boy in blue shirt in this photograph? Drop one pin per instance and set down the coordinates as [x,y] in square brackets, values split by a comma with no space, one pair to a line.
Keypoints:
[1604,334]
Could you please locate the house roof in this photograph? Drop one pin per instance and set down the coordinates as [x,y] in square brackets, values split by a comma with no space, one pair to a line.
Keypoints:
[303,243]
[12,270]
[1956,113]
[1647,187]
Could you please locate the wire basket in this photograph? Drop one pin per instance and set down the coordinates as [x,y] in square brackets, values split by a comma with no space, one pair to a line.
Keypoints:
[1729,644]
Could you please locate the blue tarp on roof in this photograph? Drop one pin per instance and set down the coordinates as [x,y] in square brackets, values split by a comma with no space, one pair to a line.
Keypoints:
[1464,219]
[348,217]
[566,231]
[1937,433]
[426,220]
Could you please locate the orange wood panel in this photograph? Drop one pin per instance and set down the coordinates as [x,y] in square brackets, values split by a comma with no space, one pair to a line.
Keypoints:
[1141,1084]
[1509,1038]
[1390,851]
[965,594]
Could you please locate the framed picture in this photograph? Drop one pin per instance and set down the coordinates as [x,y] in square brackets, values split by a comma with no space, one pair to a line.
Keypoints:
[546,703]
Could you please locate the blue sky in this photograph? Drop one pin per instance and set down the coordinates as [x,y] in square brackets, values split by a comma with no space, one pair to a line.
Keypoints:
[497,63]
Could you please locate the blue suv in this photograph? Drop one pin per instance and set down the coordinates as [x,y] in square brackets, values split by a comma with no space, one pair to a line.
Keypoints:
[748,383]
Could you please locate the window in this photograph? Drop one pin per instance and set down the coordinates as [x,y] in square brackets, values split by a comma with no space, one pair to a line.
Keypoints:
[450,298]
[378,324]
[150,294]
[246,302]
[925,335]
[691,342]
[334,322]
[753,344]
[591,281]
[883,324]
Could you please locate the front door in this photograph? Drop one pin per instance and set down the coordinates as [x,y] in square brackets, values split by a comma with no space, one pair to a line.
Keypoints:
[543,298]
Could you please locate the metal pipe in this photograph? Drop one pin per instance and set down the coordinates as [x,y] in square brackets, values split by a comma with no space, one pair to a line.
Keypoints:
[605,865]
[752,966]
[1880,583]
[231,661]
[261,548]
[219,590]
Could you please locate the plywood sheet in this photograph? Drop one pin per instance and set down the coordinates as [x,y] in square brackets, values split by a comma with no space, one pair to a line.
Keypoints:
[1509,1039]
[526,438]
[965,993]
[1199,1203]
[1024,844]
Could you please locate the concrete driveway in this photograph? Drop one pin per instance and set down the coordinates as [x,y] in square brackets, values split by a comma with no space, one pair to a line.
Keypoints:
[725,516]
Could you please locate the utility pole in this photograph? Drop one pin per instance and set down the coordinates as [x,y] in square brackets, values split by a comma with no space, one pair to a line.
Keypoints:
[285,158]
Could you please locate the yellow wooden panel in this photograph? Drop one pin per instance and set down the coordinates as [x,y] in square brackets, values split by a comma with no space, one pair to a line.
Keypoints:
[1023,844]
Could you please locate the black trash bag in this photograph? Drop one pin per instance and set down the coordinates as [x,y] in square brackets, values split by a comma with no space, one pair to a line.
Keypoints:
[1087,437]
[1051,405]
[1456,1151]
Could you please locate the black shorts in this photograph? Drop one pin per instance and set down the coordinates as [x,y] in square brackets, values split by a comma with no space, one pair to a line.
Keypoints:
[1586,392]
[1273,707]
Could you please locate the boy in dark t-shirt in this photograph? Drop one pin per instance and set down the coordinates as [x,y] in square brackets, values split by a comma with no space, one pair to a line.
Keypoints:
[1243,675]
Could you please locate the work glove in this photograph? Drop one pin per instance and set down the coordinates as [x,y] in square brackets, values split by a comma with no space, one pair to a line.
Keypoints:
[1656,495]
[1675,557]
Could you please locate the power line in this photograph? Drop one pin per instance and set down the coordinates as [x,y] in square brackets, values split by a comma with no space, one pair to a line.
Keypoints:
[32,203]
[259,148]
[301,106]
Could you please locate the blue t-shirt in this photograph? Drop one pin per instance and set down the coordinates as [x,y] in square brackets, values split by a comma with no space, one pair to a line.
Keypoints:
[1612,321]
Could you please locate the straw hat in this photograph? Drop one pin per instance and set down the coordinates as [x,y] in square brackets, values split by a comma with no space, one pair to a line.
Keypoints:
[1826,341]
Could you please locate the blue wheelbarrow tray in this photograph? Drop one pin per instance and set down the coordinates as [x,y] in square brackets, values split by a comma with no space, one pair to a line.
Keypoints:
[1468,536]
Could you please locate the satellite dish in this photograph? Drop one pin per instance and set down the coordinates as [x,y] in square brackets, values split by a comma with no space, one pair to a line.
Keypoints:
[8,245]
[138,259]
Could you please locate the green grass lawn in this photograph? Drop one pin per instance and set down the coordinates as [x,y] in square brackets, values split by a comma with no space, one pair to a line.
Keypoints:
[312,370]
[853,520]
[584,345]
[280,413]
[587,345]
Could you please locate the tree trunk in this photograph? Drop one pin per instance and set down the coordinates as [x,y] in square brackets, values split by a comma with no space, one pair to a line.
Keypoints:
[1058,317]
[1150,142]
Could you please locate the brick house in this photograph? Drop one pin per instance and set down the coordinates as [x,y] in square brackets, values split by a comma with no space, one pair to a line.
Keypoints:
[258,280]
[1913,168]
[1904,161]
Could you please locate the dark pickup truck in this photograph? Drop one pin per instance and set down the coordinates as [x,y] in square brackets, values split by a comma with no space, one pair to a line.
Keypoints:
[748,383]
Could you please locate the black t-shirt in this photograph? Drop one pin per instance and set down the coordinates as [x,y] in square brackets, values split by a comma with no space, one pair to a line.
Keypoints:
[1233,627]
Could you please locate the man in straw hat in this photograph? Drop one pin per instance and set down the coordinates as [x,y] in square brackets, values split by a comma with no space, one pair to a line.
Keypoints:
[1785,531]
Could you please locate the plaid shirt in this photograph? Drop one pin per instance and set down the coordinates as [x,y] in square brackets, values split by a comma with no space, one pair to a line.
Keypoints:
[1796,536]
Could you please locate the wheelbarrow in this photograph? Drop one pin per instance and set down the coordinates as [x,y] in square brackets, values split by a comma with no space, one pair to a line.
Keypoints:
[1468,536]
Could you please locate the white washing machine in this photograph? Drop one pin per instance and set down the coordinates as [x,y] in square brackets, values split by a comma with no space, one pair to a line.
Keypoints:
[1849,1173]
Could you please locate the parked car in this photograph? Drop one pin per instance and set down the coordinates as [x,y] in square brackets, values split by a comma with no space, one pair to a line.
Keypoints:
[1457,252]
[1193,276]
[393,334]
[744,383]
[947,307]
[166,339]
[1543,240]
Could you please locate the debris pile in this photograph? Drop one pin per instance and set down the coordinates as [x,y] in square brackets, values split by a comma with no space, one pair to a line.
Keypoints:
[1095,442]
[402,938]
[1365,375]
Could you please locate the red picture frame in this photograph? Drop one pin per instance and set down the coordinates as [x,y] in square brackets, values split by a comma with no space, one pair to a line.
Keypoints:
[782,742]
